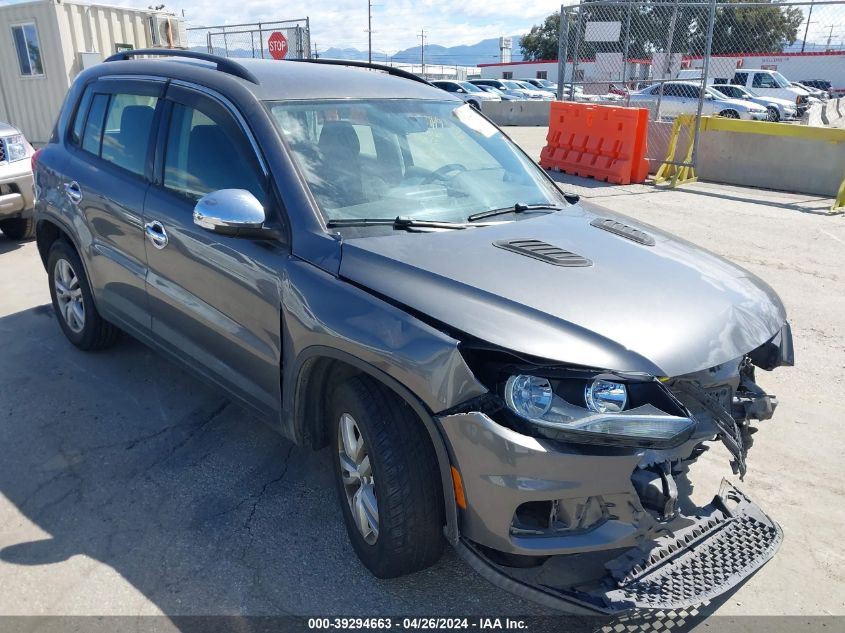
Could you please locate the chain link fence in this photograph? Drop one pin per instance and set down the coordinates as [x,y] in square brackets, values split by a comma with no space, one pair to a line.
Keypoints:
[732,58]
[285,39]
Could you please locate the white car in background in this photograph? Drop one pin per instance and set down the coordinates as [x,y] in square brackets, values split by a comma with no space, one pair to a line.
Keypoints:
[502,95]
[17,196]
[541,84]
[533,91]
[681,97]
[470,93]
[778,109]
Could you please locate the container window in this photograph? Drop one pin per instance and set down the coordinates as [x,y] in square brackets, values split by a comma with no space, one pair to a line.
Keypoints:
[28,49]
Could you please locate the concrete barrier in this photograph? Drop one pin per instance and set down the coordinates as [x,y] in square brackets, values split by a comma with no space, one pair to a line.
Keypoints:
[760,154]
[828,114]
[527,113]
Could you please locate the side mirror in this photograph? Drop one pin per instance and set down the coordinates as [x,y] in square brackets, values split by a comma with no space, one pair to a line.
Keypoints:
[460,90]
[230,212]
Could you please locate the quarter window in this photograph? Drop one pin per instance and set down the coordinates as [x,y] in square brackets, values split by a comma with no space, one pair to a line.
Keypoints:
[205,154]
[93,136]
[28,49]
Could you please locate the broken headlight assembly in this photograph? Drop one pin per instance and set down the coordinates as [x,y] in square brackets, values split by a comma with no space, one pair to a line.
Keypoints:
[577,406]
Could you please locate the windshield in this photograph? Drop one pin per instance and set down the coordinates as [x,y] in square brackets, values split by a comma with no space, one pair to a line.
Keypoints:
[513,85]
[469,87]
[780,80]
[427,160]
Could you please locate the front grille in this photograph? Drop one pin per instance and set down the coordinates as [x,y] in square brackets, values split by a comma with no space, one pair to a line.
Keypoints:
[2,150]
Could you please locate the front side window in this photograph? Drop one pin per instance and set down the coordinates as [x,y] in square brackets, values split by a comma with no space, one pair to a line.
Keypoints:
[206,153]
[433,160]
[28,49]
[763,81]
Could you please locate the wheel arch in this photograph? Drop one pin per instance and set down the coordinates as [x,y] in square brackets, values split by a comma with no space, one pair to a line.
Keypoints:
[315,370]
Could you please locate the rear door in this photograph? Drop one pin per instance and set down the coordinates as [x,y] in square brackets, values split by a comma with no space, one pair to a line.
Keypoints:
[215,300]
[107,176]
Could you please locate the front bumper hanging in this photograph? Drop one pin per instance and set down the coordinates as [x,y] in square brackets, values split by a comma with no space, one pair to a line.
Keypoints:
[725,543]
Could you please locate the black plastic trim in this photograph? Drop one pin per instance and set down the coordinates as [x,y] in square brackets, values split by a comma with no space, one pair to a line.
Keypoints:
[223,64]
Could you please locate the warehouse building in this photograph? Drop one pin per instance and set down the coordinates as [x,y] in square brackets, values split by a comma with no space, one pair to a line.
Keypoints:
[45,44]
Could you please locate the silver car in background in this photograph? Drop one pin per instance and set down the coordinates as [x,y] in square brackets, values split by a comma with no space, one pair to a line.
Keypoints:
[17,196]
[778,109]
[466,91]
[682,97]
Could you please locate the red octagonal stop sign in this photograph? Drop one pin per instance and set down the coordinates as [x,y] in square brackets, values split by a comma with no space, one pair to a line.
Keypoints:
[277,45]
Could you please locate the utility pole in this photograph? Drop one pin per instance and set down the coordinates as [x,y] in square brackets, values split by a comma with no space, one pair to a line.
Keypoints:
[829,37]
[422,36]
[807,29]
[370,31]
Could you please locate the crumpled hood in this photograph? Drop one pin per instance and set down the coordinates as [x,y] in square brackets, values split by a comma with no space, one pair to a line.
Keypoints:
[667,309]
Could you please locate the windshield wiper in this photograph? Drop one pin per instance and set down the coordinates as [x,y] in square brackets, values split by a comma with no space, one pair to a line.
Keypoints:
[517,208]
[399,222]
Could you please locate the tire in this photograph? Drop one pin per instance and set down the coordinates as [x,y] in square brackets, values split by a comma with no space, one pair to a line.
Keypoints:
[18,228]
[73,302]
[403,486]
[774,114]
[729,114]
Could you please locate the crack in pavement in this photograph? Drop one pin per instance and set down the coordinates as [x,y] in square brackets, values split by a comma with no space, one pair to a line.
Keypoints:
[247,524]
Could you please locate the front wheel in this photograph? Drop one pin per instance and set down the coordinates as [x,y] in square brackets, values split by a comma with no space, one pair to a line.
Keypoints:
[774,114]
[387,479]
[729,114]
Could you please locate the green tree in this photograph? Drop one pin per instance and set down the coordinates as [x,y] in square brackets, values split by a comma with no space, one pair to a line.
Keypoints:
[541,41]
[738,29]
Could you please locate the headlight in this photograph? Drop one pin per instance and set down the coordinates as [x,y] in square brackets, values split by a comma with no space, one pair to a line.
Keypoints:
[604,396]
[596,409]
[15,147]
[528,396]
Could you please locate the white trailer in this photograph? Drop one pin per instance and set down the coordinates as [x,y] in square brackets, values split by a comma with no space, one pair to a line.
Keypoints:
[45,44]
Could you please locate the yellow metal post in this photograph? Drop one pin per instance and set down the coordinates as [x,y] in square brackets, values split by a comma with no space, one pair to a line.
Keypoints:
[839,203]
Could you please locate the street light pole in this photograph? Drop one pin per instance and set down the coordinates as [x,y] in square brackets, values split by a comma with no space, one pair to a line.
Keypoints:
[370,31]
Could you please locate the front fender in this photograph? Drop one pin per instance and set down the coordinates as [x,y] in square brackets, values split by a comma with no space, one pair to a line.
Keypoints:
[320,310]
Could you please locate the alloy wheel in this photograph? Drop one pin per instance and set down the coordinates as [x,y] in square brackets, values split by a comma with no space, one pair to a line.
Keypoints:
[69,295]
[358,481]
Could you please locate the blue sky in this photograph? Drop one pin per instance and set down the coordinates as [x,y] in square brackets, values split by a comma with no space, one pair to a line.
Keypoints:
[396,23]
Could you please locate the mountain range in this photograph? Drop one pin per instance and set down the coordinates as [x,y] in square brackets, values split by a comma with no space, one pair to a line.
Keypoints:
[484,52]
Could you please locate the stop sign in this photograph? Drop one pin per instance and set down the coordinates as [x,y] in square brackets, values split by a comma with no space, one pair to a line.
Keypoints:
[277,44]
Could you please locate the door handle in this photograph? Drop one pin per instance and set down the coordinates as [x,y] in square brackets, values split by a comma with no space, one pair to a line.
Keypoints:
[156,234]
[74,193]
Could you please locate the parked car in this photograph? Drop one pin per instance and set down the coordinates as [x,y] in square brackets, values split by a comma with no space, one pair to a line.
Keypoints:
[778,109]
[541,84]
[770,83]
[681,97]
[467,92]
[529,90]
[824,85]
[498,84]
[369,264]
[502,95]
[815,93]
[17,196]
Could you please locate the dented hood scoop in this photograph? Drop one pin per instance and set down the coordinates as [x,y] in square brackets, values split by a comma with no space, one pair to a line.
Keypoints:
[666,308]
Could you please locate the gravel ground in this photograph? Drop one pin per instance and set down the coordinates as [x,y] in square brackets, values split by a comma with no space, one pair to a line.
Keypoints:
[128,487]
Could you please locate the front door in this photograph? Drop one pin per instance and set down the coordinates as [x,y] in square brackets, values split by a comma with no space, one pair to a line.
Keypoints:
[215,300]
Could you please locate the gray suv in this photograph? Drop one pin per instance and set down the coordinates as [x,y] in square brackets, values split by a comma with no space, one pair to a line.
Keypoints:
[370,265]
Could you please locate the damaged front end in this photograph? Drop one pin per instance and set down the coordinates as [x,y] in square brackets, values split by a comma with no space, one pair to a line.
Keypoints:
[591,511]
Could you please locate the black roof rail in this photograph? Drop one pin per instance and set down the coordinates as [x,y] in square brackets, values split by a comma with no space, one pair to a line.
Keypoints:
[223,64]
[398,72]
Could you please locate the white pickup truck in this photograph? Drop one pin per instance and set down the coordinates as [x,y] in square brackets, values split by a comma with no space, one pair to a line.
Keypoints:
[770,83]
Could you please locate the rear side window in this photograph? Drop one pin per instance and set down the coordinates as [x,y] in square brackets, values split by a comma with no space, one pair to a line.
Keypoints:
[205,154]
[741,79]
[126,137]
[81,115]
[93,135]
[118,129]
